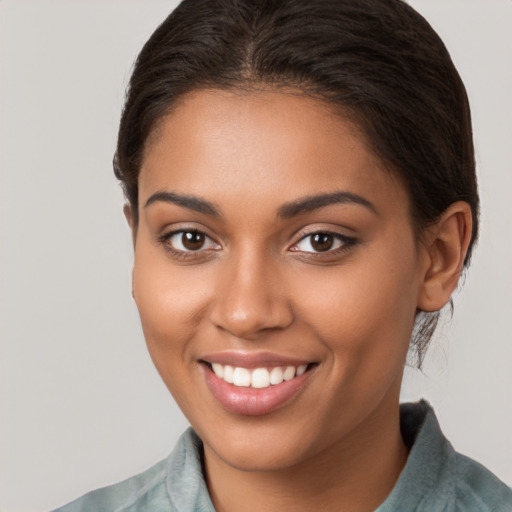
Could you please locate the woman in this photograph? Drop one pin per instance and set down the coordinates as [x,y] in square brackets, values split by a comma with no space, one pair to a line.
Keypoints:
[302,196]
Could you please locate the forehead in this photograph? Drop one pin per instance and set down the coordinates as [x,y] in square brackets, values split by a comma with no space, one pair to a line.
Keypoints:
[261,144]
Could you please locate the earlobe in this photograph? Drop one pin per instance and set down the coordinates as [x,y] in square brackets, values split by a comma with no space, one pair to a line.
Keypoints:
[446,246]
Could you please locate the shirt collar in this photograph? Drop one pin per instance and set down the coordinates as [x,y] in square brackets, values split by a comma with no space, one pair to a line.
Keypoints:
[424,479]
[425,482]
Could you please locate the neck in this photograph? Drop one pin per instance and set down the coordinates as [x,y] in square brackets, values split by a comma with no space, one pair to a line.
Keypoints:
[356,474]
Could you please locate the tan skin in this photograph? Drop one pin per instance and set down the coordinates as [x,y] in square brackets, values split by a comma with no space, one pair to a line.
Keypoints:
[257,281]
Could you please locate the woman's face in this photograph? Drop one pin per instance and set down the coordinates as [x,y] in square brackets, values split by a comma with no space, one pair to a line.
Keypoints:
[274,249]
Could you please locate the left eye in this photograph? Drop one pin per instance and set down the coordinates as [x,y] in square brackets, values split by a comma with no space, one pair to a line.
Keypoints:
[188,241]
[320,242]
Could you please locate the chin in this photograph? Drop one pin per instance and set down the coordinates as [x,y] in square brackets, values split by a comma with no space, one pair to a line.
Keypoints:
[258,459]
[258,447]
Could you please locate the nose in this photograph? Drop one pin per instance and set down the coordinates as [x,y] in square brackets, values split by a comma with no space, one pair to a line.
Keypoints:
[250,298]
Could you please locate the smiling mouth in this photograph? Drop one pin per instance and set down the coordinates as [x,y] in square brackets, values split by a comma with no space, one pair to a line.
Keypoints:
[255,385]
[258,378]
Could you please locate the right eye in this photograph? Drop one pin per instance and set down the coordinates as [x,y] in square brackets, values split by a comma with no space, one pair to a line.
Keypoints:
[189,241]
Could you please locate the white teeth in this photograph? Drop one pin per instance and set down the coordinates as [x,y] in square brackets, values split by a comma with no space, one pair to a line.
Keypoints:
[276,376]
[228,374]
[289,373]
[258,378]
[218,370]
[301,369]
[242,377]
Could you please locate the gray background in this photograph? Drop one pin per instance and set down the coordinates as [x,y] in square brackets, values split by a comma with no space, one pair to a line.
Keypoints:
[81,405]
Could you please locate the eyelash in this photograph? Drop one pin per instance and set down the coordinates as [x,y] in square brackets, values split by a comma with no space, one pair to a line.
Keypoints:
[347,243]
[180,254]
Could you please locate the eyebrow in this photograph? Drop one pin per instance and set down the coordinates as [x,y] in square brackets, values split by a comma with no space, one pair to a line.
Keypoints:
[311,203]
[286,211]
[191,202]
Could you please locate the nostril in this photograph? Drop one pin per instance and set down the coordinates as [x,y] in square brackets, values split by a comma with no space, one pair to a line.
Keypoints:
[245,323]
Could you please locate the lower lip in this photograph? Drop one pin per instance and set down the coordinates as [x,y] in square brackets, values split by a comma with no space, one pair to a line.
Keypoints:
[253,401]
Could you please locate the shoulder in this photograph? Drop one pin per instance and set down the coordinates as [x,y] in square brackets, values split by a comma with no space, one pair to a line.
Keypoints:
[175,484]
[438,478]
[477,489]
[126,496]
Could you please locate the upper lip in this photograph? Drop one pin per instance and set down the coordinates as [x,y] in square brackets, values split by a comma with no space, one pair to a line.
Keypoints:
[253,359]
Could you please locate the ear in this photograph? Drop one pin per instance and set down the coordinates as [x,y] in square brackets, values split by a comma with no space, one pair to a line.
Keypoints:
[130,218]
[128,213]
[446,244]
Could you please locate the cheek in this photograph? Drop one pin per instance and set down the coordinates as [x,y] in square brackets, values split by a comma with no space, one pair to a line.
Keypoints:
[171,301]
[170,306]
[364,312]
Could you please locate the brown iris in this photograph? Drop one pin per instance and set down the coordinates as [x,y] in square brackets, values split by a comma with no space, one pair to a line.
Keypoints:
[192,240]
[322,242]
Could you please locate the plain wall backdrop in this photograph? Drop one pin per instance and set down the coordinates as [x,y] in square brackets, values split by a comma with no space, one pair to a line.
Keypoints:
[81,405]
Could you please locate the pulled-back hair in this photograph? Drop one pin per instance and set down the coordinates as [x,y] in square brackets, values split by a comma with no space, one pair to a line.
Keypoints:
[377,62]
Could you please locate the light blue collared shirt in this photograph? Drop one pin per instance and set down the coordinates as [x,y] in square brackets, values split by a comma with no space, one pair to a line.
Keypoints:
[434,479]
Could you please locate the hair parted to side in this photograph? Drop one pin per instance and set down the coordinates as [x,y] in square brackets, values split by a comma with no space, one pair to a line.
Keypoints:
[376,61]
